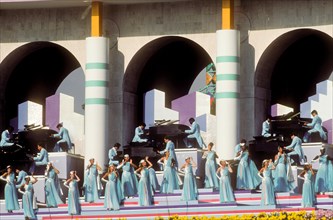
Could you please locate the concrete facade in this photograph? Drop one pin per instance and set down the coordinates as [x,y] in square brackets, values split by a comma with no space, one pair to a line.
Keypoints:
[137,32]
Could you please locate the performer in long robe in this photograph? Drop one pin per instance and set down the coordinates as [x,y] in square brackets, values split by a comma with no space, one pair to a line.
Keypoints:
[223,173]
[11,199]
[113,194]
[324,176]
[267,186]
[129,182]
[144,189]
[152,176]
[170,146]
[74,207]
[190,190]
[210,167]
[247,177]
[91,183]
[170,180]
[308,192]
[28,199]
[283,176]
[52,186]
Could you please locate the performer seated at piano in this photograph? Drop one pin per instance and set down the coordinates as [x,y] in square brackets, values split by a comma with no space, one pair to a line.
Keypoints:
[140,134]
[41,159]
[194,134]
[170,146]
[6,140]
[296,148]
[63,134]
[315,126]
[266,127]
[113,154]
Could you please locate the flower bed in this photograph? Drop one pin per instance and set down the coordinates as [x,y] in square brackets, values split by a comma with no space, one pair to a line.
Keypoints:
[315,215]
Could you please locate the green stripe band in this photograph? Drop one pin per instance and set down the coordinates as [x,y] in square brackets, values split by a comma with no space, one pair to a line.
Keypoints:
[97,83]
[96,101]
[99,66]
[227,59]
[227,95]
[227,77]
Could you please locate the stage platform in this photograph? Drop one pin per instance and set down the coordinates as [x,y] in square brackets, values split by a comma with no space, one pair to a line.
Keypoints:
[165,205]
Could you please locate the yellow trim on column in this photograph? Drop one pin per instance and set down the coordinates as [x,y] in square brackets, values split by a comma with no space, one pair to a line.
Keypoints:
[96,19]
[227,14]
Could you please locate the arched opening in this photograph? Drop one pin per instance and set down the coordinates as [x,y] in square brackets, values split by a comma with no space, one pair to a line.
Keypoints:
[33,72]
[169,64]
[289,69]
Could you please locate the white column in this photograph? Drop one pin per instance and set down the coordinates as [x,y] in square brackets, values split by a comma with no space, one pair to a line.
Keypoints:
[227,92]
[96,99]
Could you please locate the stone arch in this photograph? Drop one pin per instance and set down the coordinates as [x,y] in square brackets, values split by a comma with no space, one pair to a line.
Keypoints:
[33,72]
[289,68]
[170,64]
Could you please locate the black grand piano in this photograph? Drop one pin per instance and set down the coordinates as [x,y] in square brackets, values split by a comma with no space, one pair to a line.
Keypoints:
[282,126]
[161,128]
[25,146]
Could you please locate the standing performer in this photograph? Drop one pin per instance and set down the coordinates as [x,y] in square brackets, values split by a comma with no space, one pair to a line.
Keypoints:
[324,176]
[74,207]
[28,199]
[210,168]
[6,140]
[223,173]
[52,186]
[267,186]
[283,176]
[170,180]
[247,177]
[315,126]
[129,182]
[170,146]
[308,193]
[91,183]
[239,146]
[152,176]
[21,174]
[145,189]
[63,134]
[11,200]
[113,154]
[113,194]
[190,190]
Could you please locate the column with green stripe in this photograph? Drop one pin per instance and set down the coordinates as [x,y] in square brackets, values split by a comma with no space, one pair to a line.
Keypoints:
[227,91]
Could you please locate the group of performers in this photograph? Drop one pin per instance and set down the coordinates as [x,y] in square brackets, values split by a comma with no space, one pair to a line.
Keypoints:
[124,179]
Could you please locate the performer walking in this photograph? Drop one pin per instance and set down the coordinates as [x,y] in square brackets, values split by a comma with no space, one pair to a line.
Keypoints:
[247,177]
[113,194]
[52,186]
[11,200]
[91,183]
[129,182]
[74,207]
[308,193]
[210,167]
[170,180]
[223,173]
[283,176]
[145,189]
[267,186]
[190,190]
[324,176]
[28,199]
